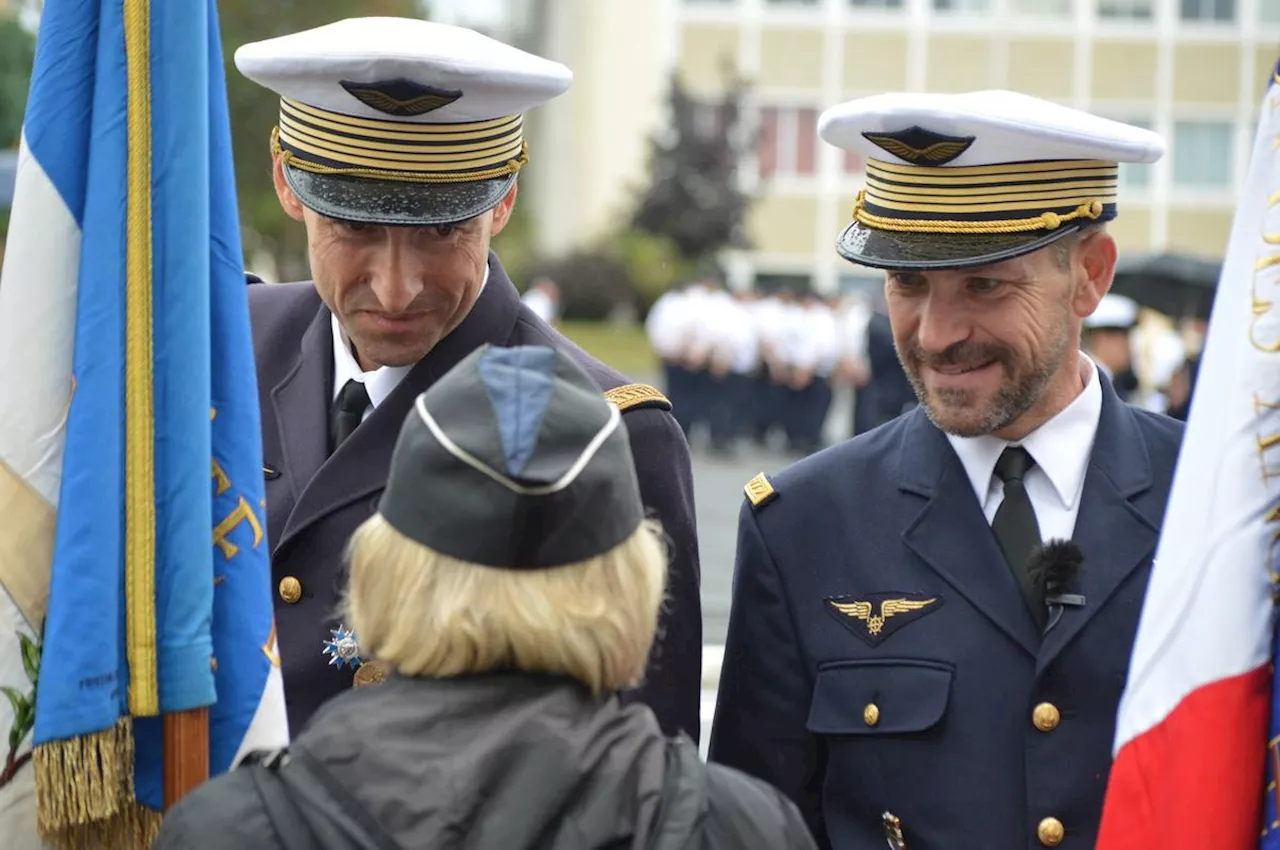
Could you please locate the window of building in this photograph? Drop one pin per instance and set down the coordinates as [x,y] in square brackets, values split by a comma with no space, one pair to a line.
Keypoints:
[1202,154]
[963,6]
[876,4]
[1213,11]
[1269,11]
[788,142]
[1043,8]
[854,162]
[1135,176]
[1135,10]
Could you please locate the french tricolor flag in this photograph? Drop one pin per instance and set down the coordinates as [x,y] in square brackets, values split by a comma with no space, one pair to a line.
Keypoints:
[1193,767]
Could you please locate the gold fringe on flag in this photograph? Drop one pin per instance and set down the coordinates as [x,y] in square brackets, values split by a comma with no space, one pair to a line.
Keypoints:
[84,793]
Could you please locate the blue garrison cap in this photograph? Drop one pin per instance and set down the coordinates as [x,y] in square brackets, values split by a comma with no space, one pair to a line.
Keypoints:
[514,459]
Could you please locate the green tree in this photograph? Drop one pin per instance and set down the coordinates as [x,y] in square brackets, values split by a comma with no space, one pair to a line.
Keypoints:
[693,197]
[17,53]
[255,110]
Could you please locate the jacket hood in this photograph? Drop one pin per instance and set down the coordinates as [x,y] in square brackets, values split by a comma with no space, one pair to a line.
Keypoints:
[502,762]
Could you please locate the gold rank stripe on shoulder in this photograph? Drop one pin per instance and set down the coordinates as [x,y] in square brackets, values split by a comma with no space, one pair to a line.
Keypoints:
[636,396]
[760,491]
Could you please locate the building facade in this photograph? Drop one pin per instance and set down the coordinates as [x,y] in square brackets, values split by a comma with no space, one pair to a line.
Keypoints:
[1193,70]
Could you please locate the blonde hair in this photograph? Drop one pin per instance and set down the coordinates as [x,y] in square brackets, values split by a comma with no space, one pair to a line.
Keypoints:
[428,614]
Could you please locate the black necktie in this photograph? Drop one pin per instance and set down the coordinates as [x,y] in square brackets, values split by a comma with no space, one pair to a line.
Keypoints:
[348,410]
[1015,525]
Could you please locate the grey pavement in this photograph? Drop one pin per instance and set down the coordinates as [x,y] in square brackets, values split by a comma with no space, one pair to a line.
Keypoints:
[717,484]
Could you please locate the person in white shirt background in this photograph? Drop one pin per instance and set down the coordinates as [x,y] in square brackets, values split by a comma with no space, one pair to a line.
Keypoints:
[735,356]
[666,327]
[812,351]
[543,298]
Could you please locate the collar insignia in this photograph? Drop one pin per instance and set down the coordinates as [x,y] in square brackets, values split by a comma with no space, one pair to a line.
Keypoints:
[919,146]
[879,615]
[400,97]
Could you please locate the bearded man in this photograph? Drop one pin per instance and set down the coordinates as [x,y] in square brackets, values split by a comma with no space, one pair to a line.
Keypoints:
[932,622]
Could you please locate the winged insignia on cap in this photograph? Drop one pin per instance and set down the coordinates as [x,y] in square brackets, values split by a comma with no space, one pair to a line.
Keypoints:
[919,146]
[400,97]
[888,608]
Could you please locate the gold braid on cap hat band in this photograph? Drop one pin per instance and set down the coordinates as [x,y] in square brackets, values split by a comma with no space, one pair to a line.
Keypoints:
[1013,198]
[325,142]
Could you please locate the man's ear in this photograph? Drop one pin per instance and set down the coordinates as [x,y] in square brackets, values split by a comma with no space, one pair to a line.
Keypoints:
[1095,266]
[289,201]
[502,212]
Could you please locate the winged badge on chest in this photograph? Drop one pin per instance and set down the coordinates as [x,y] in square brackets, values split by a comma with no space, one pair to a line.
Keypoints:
[888,608]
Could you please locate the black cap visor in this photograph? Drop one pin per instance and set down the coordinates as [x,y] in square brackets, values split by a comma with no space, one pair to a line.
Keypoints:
[389,202]
[887,249]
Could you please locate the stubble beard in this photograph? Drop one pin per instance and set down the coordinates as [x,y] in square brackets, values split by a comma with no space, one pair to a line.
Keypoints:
[1020,391]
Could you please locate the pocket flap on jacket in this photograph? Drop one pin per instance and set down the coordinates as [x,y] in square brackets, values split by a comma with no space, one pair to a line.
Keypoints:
[881,697]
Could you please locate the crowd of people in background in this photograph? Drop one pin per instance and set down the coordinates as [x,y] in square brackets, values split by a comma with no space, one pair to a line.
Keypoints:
[777,367]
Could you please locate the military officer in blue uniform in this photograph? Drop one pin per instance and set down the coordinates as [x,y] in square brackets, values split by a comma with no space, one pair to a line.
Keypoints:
[916,654]
[398,147]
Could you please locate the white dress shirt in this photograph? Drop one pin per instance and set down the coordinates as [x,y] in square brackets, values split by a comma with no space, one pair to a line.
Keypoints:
[1061,448]
[378,384]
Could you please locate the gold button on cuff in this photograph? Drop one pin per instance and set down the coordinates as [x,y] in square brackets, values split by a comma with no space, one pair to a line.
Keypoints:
[290,589]
[1051,832]
[871,714]
[1046,717]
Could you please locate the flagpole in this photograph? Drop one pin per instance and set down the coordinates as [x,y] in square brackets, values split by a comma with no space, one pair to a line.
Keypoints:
[186,753]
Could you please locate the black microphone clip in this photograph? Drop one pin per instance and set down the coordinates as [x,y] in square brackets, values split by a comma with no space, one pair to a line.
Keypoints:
[1053,569]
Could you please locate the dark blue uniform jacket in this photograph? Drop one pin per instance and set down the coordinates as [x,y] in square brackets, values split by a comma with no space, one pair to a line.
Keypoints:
[315,501]
[956,715]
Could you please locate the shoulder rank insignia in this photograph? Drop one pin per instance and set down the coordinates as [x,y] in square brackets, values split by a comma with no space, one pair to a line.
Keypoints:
[879,615]
[760,491]
[636,397]
[400,97]
[919,146]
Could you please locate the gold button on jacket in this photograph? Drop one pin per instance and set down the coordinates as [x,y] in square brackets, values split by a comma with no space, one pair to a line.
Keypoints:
[1051,832]
[871,714]
[290,589]
[1046,717]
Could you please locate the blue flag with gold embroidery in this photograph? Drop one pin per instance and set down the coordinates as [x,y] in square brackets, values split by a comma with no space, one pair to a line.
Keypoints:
[159,595]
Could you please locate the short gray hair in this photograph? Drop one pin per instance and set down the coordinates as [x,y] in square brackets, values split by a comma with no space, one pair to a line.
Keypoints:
[1063,247]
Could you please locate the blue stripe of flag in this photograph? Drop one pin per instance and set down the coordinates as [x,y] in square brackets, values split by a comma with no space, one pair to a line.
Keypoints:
[58,120]
[243,613]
